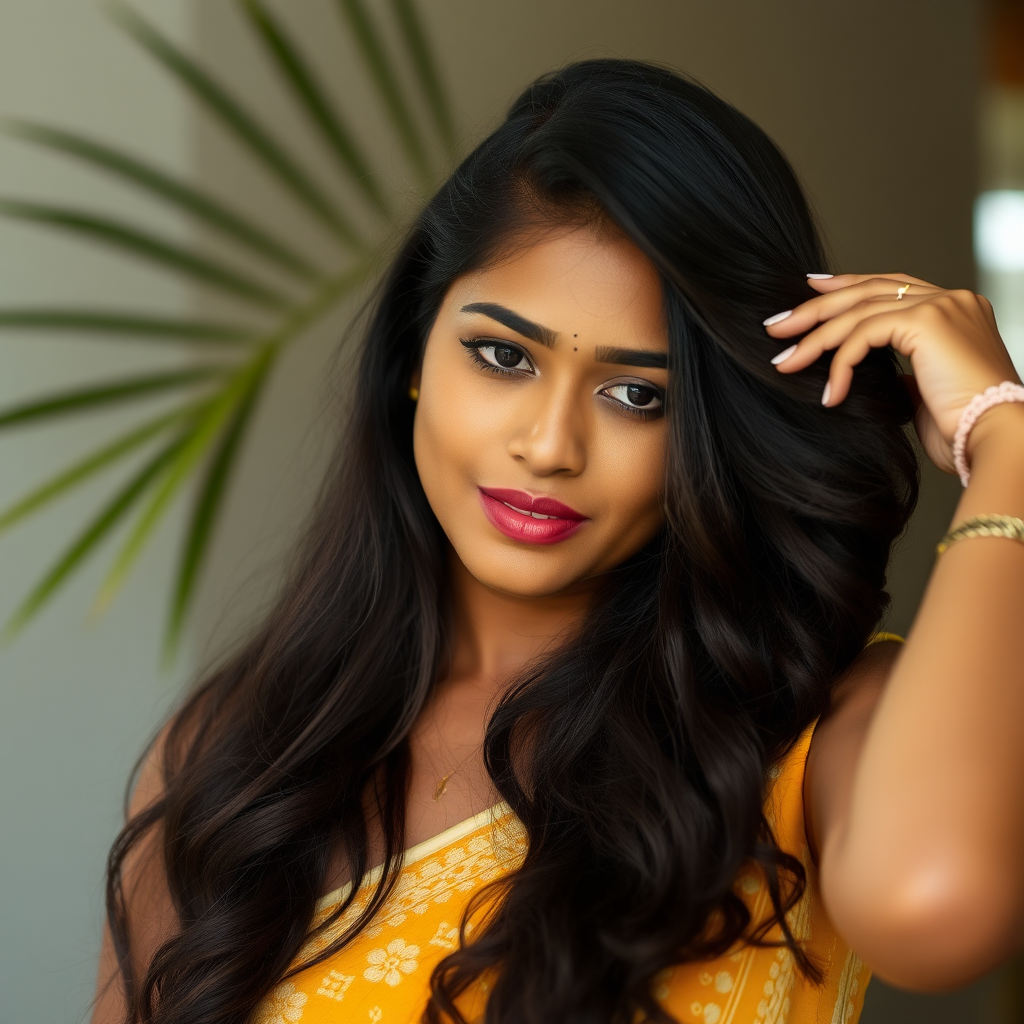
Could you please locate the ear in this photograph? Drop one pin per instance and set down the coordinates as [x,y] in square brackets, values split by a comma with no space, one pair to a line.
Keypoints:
[414,384]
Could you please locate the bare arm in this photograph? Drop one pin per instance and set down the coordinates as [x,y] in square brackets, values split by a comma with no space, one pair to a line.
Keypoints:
[920,806]
[915,788]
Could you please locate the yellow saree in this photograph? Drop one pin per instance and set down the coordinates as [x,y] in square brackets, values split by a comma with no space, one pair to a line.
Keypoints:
[383,976]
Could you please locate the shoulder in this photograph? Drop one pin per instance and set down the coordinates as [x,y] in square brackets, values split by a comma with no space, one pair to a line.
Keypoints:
[143,881]
[139,880]
[838,736]
[858,690]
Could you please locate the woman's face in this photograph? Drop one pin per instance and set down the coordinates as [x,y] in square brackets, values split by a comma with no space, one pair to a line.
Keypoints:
[540,433]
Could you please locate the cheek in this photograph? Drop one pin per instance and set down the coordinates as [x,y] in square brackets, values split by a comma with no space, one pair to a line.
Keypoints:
[451,426]
[436,450]
[630,465]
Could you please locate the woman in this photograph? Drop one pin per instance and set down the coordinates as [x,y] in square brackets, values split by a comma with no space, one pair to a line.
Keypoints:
[594,578]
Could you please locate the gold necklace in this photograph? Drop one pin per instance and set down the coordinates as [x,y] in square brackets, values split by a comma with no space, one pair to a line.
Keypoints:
[442,786]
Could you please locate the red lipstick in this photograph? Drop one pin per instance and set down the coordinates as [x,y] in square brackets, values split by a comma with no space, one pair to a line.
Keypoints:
[521,516]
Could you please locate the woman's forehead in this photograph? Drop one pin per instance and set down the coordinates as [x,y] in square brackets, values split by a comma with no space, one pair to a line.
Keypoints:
[572,281]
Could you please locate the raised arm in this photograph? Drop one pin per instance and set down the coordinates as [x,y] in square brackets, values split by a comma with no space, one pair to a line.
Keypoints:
[915,785]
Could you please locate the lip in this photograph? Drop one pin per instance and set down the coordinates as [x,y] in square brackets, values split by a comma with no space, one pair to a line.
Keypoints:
[517,522]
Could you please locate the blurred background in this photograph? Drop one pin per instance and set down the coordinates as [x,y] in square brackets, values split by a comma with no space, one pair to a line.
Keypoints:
[175,192]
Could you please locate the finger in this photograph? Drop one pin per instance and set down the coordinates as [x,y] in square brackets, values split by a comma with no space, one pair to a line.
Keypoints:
[825,307]
[831,284]
[833,333]
[989,313]
[874,332]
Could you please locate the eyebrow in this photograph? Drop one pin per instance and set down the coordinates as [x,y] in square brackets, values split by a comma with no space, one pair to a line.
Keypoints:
[514,322]
[632,357]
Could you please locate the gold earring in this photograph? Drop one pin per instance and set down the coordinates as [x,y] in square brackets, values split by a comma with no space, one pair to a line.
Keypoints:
[414,392]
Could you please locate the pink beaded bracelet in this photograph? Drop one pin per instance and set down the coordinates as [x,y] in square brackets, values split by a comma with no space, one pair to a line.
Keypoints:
[995,395]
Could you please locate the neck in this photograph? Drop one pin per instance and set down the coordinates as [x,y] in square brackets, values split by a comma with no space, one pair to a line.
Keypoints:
[496,635]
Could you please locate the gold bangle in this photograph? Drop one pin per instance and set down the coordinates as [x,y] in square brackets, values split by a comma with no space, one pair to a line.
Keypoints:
[984,526]
[877,638]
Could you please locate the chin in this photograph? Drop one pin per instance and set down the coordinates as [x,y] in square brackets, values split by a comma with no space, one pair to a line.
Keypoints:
[517,577]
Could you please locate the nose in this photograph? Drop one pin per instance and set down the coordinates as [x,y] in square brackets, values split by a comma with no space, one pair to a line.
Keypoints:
[550,438]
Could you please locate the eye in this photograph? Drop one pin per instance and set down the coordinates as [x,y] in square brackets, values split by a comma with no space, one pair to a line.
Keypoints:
[639,399]
[505,356]
[499,356]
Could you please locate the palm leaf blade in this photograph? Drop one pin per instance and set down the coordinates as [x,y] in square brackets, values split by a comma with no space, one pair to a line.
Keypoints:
[119,324]
[386,80]
[244,126]
[143,175]
[206,411]
[205,512]
[419,49]
[142,243]
[103,395]
[86,468]
[313,100]
[100,526]
[191,453]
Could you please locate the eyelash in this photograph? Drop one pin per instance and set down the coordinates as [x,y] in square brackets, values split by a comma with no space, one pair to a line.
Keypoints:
[632,410]
[473,346]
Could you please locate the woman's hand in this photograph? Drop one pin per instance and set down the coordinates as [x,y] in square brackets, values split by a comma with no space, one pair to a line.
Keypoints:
[914,784]
[950,338]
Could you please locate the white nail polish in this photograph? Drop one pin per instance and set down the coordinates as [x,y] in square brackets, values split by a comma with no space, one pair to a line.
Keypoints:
[826,394]
[783,355]
[778,318]
[819,277]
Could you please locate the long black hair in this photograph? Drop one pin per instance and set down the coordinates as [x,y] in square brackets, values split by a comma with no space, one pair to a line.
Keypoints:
[650,735]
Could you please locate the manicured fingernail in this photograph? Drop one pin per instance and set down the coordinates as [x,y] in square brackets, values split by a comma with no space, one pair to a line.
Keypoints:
[819,277]
[826,393]
[783,355]
[778,318]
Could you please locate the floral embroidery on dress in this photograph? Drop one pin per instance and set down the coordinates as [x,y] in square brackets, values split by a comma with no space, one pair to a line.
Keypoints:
[389,965]
[661,983]
[434,880]
[283,1005]
[849,983]
[335,985]
[382,975]
[774,1007]
[446,937]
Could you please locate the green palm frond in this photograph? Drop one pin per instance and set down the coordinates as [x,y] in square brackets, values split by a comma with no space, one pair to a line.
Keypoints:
[112,323]
[139,242]
[314,102]
[245,126]
[383,73]
[215,214]
[207,506]
[89,467]
[423,60]
[200,440]
[111,514]
[104,395]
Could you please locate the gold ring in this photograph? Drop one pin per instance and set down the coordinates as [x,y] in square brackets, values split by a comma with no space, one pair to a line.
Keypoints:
[900,292]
